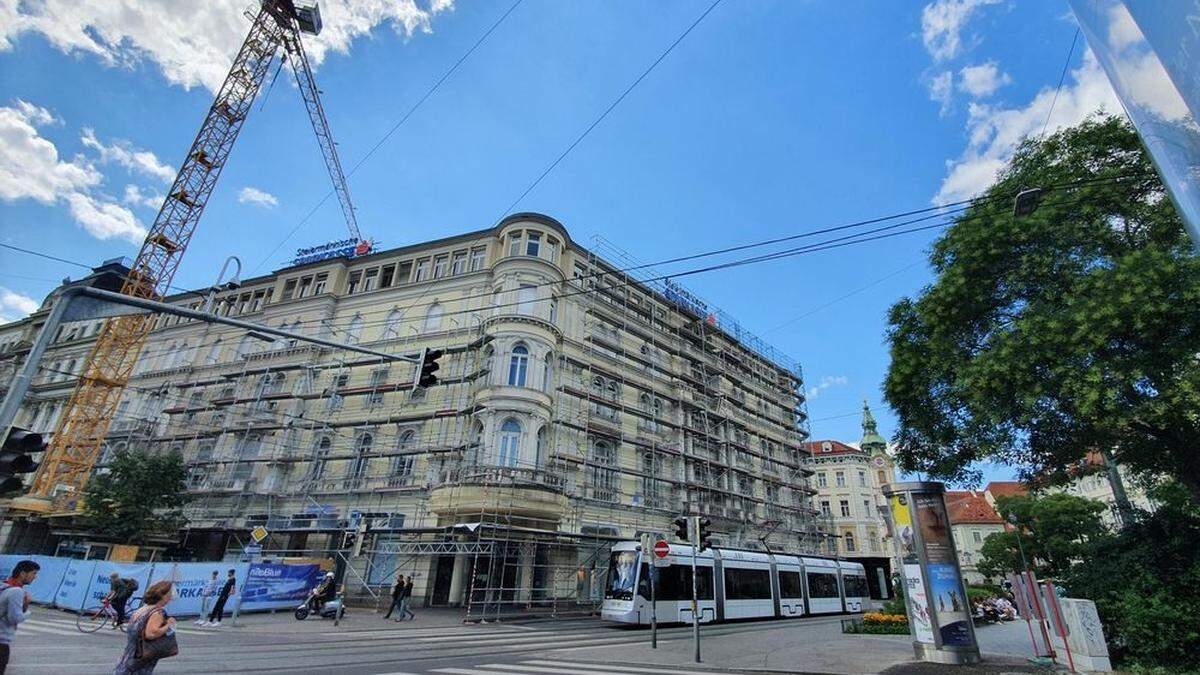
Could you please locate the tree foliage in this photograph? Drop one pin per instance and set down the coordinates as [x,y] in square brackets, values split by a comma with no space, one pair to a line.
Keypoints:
[1055,531]
[1071,329]
[140,496]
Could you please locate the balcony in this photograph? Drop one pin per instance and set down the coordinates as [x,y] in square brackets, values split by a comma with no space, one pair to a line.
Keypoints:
[499,490]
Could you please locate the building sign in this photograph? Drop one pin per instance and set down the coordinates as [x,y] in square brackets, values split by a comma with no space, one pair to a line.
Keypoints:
[680,297]
[345,248]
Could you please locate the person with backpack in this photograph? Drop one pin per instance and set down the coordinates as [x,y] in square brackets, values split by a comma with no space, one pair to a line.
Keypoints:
[230,587]
[119,592]
[14,605]
[397,596]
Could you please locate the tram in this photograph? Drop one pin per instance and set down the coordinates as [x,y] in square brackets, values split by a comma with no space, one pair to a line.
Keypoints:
[731,584]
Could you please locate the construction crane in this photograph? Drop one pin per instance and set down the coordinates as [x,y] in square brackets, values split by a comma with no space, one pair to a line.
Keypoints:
[84,423]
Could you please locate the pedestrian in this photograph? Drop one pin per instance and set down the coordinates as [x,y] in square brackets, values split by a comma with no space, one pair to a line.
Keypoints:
[119,592]
[397,595]
[211,587]
[147,625]
[14,605]
[214,617]
[405,599]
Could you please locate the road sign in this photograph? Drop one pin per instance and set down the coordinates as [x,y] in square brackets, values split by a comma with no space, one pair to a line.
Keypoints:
[258,534]
[252,550]
[661,549]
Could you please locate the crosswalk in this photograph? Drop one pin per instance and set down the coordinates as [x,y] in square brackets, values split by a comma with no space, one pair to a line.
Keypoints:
[545,667]
[64,626]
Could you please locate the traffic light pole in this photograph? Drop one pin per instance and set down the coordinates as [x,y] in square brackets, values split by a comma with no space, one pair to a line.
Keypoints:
[694,531]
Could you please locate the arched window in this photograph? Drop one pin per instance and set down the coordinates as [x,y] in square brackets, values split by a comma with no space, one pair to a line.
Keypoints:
[510,443]
[321,456]
[604,478]
[433,318]
[645,403]
[614,390]
[518,366]
[849,539]
[362,450]
[391,325]
[598,385]
[354,332]
[402,463]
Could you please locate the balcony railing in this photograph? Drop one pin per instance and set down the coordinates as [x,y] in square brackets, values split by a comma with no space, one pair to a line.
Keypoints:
[501,475]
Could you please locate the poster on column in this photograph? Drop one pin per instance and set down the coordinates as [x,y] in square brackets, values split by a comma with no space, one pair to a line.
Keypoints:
[914,587]
[190,580]
[73,590]
[953,610]
[101,582]
[272,585]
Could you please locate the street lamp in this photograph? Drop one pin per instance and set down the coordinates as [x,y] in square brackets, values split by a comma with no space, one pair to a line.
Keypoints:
[221,284]
[1012,519]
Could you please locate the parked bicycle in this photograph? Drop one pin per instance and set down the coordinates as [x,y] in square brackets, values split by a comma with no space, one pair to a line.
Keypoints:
[93,619]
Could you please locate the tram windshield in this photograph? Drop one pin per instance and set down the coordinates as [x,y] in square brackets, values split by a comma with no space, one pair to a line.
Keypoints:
[622,573]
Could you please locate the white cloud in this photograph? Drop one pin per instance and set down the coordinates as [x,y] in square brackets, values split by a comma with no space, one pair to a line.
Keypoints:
[15,306]
[982,80]
[30,168]
[134,196]
[942,24]
[995,131]
[825,383]
[941,90]
[256,197]
[193,43]
[124,154]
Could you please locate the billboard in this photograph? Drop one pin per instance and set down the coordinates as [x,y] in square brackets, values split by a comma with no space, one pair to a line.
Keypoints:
[276,586]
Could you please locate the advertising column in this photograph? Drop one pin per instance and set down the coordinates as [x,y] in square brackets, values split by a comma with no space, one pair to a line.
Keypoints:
[939,611]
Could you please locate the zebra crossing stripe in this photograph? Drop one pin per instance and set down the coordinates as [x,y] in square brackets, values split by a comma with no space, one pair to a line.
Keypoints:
[597,668]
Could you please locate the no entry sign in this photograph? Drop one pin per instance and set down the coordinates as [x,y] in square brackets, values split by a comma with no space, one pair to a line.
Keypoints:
[661,549]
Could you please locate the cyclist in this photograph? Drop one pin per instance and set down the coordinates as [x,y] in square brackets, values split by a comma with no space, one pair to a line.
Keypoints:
[120,590]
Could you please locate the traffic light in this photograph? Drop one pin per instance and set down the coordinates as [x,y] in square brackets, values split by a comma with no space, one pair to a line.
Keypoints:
[704,536]
[15,458]
[681,529]
[426,368]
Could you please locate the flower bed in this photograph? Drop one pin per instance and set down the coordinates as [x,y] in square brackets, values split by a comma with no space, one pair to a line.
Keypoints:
[878,624]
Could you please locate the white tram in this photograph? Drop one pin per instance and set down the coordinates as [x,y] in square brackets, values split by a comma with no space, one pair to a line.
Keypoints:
[731,584]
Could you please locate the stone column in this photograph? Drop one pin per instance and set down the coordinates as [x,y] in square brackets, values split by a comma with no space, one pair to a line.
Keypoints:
[525,584]
[458,579]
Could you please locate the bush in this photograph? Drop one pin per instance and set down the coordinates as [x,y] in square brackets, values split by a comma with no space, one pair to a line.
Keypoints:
[981,593]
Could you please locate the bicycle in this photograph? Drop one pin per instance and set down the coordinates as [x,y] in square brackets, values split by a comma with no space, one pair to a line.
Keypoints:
[95,618]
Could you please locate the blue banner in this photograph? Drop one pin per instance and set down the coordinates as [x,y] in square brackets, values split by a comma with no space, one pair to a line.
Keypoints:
[74,587]
[102,584]
[191,582]
[272,586]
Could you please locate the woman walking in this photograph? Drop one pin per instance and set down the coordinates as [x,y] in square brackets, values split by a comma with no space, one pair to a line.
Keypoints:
[148,624]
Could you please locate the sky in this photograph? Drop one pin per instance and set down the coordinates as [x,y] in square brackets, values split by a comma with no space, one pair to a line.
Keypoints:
[769,118]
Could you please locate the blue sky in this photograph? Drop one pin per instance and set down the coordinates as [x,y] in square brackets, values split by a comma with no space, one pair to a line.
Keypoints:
[770,118]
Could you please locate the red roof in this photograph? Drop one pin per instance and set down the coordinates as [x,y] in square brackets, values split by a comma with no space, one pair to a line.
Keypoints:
[817,448]
[970,507]
[1006,488]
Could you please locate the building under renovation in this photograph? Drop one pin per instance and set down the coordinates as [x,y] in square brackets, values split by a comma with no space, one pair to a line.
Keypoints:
[578,405]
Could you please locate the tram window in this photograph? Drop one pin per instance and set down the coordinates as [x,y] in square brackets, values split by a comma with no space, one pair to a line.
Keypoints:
[789,585]
[856,586]
[822,585]
[742,584]
[675,583]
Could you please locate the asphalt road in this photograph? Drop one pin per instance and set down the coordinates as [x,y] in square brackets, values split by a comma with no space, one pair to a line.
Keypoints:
[364,643]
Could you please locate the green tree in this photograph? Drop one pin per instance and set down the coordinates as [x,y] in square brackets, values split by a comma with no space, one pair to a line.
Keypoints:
[1048,335]
[140,496]
[1055,529]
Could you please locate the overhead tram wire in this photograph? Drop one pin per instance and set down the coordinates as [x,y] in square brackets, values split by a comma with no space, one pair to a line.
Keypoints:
[1061,78]
[383,139]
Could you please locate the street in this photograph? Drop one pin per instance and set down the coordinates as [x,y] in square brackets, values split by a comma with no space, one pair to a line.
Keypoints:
[365,643]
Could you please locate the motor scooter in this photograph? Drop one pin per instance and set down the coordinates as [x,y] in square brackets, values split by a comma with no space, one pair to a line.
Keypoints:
[329,608]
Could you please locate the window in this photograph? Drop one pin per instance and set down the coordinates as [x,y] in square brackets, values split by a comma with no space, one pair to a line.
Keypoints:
[402,463]
[822,585]
[422,272]
[256,303]
[336,400]
[321,457]
[855,585]
[459,264]
[845,504]
[825,508]
[245,347]
[866,508]
[433,318]
[362,450]
[305,284]
[439,266]
[862,478]
[533,244]
[514,243]
[403,272]
[975,534]
[882,478]
[849,539]
[289,289]
[518,366]
[552,249]
[526,294]
[478,258]
[378,380]
[387,276]
[391,325]
[355,282]
[789,585]
[354,332]
[548,374]
[604,478]
[840,478]
[822,481]
[510,442]
[743,584]
[370,280]
[674,583]
[554,310]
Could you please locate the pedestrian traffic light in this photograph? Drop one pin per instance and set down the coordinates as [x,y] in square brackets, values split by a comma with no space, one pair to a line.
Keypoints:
[681,529]
[426,368]
[703,536]
[15,458]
